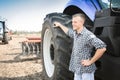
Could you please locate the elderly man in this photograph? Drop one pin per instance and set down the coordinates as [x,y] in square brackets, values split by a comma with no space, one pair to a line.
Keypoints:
[82,63]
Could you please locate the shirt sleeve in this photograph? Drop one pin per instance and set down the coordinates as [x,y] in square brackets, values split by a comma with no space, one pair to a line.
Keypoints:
[70,33]
[96,42]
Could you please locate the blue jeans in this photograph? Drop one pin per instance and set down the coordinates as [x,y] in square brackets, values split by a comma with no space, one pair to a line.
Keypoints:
[84,76]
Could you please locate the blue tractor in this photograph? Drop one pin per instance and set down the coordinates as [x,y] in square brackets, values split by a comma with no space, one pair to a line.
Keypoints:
[5,33]
[103,19]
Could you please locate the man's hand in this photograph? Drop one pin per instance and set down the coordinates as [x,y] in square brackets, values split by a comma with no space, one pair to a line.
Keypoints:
[57,24]
[64,28]
[86,62]
[98,54]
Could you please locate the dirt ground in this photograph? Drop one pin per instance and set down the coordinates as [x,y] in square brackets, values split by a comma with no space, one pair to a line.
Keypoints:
[25,68]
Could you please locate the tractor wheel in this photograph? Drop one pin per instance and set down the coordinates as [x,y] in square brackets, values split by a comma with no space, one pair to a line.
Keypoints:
[5,40]
[56,48]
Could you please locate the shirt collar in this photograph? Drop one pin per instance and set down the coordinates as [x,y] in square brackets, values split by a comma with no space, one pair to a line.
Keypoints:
[82,32]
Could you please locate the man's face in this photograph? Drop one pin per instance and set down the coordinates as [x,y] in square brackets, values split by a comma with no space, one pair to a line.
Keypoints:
[77,23]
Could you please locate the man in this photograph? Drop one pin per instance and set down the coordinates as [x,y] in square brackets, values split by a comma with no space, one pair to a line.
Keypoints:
[81,63]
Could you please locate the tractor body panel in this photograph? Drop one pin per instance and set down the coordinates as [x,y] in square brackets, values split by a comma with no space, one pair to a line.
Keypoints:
[89,7]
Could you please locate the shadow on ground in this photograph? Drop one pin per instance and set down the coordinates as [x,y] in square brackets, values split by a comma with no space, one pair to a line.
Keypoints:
[36,76]
[19,60]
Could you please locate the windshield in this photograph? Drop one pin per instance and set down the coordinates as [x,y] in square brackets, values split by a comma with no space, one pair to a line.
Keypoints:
[106,4]
[1,27]
[115,4]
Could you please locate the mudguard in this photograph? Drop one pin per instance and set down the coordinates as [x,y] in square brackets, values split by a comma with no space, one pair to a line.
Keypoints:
[90,6]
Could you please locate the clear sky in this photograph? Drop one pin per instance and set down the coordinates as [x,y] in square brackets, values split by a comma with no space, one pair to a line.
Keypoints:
[28,15]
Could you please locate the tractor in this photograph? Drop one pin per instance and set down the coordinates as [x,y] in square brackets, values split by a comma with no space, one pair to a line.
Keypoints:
[102,18]
[5,33]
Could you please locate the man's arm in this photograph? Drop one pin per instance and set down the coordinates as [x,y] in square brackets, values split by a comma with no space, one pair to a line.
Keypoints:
[57,24]
[98,54]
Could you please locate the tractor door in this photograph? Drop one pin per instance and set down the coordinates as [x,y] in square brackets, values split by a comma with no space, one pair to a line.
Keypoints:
[1,30]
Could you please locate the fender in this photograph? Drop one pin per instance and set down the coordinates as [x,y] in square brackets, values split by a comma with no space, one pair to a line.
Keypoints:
[90,7]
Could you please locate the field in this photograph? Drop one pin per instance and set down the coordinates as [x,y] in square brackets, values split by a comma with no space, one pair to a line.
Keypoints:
[24,68]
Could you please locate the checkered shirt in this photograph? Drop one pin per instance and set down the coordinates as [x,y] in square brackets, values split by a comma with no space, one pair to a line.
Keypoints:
[83,45]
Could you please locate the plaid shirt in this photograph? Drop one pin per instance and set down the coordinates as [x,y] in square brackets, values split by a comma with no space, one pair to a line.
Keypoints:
[83,45]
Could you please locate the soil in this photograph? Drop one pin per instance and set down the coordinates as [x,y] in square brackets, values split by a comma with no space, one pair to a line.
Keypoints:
[14,67]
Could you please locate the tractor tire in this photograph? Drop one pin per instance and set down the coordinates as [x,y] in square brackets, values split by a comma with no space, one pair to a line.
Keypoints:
[56,48]
[6,39]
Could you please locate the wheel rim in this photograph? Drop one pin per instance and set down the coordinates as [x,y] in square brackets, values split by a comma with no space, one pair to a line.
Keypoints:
[48,53]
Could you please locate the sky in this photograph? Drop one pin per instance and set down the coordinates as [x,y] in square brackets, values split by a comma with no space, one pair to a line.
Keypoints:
[28,15]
